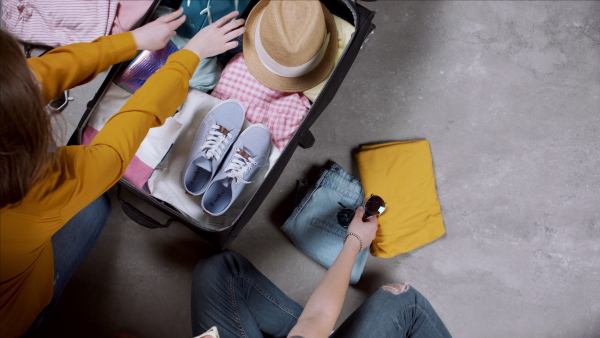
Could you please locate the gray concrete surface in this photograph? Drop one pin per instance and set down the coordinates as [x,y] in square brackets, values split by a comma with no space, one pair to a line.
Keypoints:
[507,93]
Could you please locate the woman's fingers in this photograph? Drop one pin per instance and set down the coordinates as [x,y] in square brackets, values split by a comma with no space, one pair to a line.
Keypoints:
[231,44]
[359,212]
[234,24]
[234,34]
[171,16]
[222,21]
[176,23]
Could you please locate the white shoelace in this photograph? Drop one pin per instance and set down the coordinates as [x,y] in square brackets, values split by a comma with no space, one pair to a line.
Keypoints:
[238,167]
[215,143]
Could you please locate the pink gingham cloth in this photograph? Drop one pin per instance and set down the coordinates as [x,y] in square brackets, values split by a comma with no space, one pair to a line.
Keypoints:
[57,23]
[281,112]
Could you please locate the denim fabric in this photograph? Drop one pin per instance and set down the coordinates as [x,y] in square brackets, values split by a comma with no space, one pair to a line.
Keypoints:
[230,293]
[72,243]
[384,314]
[313,225]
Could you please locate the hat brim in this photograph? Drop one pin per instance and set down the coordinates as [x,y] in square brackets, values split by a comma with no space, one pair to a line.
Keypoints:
[281,83]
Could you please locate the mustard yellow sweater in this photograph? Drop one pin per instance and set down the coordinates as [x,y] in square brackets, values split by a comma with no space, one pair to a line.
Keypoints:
[82,173]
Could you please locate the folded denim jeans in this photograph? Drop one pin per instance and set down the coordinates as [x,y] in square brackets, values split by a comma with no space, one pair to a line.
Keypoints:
[313,225]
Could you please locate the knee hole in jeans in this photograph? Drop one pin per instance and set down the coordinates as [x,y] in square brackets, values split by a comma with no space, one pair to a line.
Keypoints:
[396,288]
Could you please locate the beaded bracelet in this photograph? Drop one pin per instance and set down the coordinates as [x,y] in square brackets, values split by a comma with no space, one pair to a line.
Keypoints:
[355,235]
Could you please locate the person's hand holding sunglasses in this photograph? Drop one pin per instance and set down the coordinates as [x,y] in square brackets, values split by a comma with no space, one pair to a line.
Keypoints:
[360,231]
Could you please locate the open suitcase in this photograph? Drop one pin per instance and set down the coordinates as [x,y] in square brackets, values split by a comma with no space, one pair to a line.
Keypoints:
[223,232]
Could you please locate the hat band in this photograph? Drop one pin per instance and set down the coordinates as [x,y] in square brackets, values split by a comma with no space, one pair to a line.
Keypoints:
[285,71]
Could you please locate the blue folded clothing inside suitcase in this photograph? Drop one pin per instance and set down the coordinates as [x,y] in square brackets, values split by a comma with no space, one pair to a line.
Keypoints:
[201,13]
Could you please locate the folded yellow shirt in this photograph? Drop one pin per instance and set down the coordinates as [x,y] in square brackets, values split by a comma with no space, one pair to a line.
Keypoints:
[402,174]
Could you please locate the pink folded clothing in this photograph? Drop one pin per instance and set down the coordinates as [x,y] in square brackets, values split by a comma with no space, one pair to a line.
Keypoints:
[281,112]
[128,14]
[58,22]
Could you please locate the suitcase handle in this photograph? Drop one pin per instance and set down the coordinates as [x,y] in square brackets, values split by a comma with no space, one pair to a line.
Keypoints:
[140,217]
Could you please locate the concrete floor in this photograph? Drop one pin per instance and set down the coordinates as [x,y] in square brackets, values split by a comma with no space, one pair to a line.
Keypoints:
[507,93]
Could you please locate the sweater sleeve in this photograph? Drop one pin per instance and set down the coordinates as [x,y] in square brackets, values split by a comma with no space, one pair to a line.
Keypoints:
[66,67]
[100,165]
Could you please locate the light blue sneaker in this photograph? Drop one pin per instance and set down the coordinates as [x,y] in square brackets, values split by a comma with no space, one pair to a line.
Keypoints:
[219,129]
[247,157]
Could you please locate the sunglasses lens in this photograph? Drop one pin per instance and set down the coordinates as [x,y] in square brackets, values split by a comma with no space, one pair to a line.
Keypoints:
[374,205]
[344,217]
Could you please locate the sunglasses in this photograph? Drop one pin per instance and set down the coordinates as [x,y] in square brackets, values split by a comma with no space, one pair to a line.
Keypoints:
[374,206]
[60,102]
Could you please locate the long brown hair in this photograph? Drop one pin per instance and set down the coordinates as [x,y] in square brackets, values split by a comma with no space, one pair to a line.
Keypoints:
[26,137]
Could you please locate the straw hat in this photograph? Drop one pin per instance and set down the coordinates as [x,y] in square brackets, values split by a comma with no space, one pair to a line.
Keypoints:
[290,45]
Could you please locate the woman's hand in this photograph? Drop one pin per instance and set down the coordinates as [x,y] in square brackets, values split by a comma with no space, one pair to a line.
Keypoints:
[365,230]
[325,304]
[155,35]
[216,38]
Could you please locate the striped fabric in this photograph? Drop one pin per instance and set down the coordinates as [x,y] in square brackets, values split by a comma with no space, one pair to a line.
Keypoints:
[281,112]
[58,22]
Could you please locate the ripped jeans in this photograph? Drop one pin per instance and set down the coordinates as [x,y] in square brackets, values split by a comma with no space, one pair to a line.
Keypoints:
[230,293]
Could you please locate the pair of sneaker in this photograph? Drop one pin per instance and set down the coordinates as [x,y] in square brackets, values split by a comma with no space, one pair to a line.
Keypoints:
[223,158]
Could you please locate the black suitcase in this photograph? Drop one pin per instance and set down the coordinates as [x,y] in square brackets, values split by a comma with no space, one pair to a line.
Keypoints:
[222,237]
